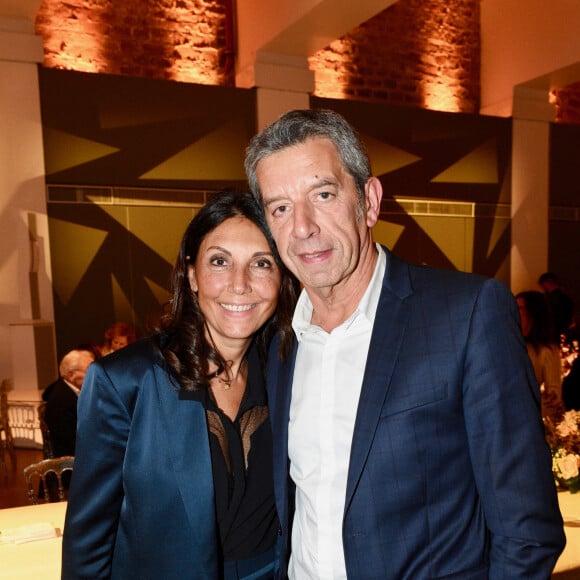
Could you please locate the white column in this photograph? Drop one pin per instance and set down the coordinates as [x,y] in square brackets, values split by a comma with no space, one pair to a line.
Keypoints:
[27,345]
[282,83]
[532,114]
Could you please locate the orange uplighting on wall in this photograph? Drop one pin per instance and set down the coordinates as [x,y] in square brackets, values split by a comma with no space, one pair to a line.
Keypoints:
[440,94]
[445,55]
[331,69]
[440,97]
[187,41]
[422,53]
[445,58]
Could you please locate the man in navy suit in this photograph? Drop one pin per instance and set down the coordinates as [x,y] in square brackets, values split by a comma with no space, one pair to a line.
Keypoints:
[408,441]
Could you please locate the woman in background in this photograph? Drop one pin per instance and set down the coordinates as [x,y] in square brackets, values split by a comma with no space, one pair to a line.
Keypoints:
[538,330]
[173,467]
[117,336]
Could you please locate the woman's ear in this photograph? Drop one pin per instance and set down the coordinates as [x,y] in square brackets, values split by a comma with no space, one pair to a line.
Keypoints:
[192,278]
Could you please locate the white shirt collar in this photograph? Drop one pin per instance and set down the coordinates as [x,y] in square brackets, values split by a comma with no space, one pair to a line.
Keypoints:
[72,388]
[367,306]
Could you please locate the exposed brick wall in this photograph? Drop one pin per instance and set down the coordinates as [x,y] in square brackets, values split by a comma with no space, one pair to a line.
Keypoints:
[184,40]
[406,55]
[421,53]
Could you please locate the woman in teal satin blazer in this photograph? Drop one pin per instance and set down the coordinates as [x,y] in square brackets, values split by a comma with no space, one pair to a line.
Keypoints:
[172,474]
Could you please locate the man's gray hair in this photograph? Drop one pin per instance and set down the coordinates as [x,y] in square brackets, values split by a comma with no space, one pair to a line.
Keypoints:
[296,127]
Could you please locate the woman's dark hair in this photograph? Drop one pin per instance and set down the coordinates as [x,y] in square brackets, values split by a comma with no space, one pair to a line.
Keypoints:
[181,335]
[541,321]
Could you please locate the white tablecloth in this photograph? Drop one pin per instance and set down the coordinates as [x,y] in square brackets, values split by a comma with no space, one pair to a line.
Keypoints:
[570,508]
[37,560]
[41,559]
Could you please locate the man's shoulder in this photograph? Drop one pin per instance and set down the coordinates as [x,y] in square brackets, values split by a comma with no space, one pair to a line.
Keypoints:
[439,288]
[48,390]
[60,399]
[433,277]
[56,389]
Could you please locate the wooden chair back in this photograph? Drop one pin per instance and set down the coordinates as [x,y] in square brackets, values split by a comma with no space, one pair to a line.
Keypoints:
[47,449]
[44,480]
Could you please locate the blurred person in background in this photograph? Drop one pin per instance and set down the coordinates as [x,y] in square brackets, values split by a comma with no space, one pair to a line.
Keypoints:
[571,387]
[117,336]
[61,400]
[537,326]
[561,304]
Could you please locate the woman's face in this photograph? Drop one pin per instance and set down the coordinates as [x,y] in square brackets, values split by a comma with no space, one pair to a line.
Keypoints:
[236,280]
[118,342]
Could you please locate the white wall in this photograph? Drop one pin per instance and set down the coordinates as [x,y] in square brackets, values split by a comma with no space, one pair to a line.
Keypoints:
[521,41]
[25,279]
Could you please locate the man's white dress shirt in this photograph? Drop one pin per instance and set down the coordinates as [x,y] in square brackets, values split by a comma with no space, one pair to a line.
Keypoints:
[325,393]
[74,389]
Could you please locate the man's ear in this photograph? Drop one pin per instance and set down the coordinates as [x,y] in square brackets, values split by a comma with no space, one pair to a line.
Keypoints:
[373,197]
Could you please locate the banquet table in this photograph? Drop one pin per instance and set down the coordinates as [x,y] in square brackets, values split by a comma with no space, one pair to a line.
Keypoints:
[41,558]
[36,559]
[568,565]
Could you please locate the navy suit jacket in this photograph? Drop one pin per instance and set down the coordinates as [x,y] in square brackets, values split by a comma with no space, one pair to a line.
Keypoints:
[141,503]
[450,474]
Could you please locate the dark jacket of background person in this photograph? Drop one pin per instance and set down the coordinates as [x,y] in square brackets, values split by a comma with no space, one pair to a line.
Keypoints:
[62,398]
[61,417]
[537,325]
[571,387]
[563,309]
[561,304]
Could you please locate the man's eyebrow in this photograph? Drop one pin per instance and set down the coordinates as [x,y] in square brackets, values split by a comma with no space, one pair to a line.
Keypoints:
[322,182]
[319,182]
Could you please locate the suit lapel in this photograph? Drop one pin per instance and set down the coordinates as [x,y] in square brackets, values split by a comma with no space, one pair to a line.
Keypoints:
[185,426]
[280,377]
[389,328]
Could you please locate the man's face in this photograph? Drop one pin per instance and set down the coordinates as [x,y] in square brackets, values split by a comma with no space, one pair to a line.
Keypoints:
[77,373]
[313,211]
